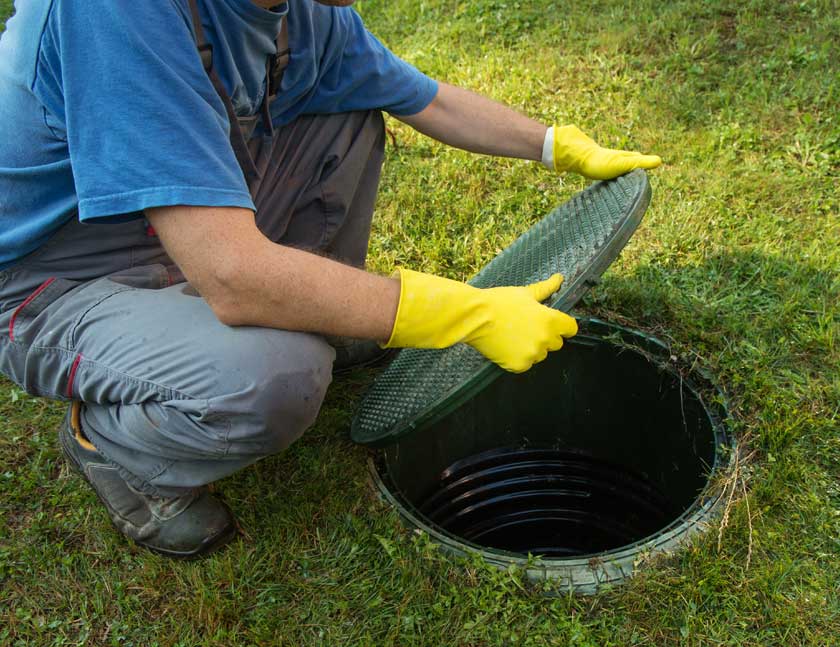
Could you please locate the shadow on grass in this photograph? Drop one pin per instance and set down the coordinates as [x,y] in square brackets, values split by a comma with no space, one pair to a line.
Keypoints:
[766,325]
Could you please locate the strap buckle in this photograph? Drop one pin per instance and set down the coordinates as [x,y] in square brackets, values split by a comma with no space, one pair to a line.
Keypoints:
[276,66]
[247,125]
[205,50]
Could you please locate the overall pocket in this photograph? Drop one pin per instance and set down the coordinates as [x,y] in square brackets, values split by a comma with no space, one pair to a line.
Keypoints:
[23,321]
[32,351]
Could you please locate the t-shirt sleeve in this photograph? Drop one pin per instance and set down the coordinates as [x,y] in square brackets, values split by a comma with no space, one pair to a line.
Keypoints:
[366,75]
[144,126]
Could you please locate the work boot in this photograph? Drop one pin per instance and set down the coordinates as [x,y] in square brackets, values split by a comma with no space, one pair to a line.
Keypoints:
[351,354]
[185,526]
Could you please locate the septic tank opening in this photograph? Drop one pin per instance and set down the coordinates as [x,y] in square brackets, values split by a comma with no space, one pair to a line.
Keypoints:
[547,502]
[605,450]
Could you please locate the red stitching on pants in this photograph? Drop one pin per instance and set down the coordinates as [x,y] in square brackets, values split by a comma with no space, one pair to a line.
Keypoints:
[72,377]
[25,303]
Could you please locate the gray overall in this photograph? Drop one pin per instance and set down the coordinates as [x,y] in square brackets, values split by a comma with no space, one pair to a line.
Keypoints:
[174,398]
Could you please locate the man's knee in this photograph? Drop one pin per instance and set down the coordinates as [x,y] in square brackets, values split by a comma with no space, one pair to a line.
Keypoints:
[290,406]
[281,397]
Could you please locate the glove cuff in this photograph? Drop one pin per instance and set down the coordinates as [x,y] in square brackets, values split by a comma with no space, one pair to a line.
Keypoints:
[398,273]
[548,149]
[570,145]
[435,312]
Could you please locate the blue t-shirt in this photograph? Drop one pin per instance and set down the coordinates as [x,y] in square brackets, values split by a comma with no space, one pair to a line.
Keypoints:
[105,108]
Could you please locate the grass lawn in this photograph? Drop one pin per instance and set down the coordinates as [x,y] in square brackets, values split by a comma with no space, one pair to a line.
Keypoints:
[737,264]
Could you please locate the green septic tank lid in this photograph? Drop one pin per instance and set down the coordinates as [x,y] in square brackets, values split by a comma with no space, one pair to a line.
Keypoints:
[579,239]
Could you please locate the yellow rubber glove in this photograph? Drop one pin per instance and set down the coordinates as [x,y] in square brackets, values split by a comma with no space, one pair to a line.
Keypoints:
[574,151]
[508,325]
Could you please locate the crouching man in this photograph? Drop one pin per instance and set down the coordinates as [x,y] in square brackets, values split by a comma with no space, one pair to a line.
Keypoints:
[186,192]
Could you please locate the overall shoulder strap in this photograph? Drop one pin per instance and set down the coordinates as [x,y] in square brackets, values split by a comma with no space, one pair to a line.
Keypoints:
[204,48]
[237,137]
[280,61]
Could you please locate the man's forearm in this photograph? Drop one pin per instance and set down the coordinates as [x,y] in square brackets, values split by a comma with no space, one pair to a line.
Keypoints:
[249,280]
[475,123]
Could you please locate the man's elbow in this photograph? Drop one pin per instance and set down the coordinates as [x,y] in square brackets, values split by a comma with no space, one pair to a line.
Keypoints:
[223,291]
[228,312]
[216,248]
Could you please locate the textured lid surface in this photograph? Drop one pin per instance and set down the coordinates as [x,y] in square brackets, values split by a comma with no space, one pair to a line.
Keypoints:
[579,239]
